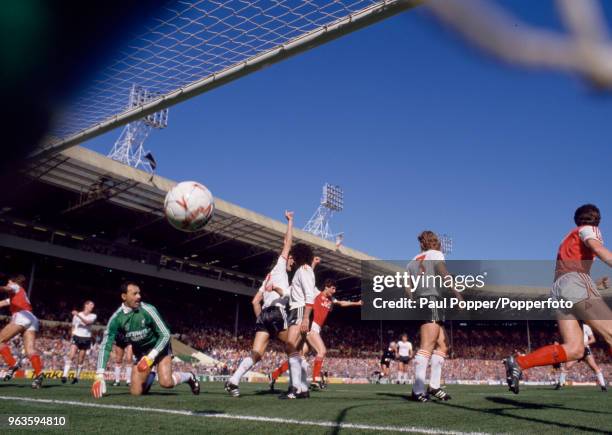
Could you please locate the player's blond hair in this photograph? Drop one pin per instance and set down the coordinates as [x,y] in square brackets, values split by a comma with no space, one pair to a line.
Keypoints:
[429,240]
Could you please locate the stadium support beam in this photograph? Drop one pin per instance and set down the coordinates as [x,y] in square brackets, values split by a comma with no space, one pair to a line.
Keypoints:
[312,39]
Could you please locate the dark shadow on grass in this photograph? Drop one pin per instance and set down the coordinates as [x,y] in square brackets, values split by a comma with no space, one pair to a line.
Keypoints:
[340,419]
[527,405]
[395,395]
[516,405]
[267,392]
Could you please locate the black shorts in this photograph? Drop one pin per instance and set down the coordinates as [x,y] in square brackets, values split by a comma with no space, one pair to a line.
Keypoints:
[272,320]
[295,316]
[432,315]
[587,352]
[404,359]
[167,351]
[82,343]
[385,362]
[121,342]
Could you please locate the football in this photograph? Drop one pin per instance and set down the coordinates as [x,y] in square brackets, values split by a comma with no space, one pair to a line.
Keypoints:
[189,206]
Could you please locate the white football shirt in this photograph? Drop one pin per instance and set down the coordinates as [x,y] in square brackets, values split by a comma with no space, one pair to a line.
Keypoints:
[425,264]
[278,278]
[303,287]
[404,348]
[80,328]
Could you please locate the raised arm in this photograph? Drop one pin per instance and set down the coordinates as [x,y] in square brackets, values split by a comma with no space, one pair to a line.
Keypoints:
[288,235]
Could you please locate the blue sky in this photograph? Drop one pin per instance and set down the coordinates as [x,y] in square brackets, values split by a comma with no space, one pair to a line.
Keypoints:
[421,131]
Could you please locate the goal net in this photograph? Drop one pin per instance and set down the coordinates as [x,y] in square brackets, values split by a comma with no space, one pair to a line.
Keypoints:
[194,46]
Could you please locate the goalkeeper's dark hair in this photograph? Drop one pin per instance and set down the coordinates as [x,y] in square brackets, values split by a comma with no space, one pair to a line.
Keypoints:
[302,254]
[126,284]
[587,214]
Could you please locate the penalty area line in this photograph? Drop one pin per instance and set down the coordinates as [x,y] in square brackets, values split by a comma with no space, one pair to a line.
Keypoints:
[329,424]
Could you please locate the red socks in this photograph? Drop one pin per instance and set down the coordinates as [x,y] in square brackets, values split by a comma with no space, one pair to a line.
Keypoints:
[36,364]
[279,371]
[316,369]
[5,351]
[544,356]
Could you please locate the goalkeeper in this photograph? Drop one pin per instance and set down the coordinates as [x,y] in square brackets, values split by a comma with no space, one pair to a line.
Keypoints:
[149,336]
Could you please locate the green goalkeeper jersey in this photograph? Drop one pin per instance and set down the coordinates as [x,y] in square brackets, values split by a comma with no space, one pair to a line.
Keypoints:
[142,327]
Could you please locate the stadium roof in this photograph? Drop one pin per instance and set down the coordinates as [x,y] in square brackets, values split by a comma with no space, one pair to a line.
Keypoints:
[191,47]
[96,198]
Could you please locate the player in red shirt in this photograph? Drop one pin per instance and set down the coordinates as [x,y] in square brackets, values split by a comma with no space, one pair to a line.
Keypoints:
[573,283]
[22,322]
[321,307]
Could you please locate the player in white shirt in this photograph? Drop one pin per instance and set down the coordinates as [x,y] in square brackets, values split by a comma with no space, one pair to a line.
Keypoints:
[404,355]
[588,357]
[301,299]
[429,262]
[81,339]
[272,315]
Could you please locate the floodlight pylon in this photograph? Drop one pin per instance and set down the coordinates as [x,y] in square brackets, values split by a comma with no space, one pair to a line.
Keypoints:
[129,147]
[332,200]
[446,243]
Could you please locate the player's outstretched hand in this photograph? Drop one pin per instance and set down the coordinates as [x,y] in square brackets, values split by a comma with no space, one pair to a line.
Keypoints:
[98,389]
[144,363]
[288,215]
[304,326]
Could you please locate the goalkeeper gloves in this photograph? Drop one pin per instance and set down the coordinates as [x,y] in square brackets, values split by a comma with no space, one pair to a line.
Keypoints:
[144,363]
[98,389]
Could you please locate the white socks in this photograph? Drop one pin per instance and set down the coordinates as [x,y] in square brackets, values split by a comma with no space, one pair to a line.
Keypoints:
[304,374]
[117,373]
[245,366]
[181,377]
[78,372]
[66,368]
[295,367]
[600,379]
[437,361]
[420,371]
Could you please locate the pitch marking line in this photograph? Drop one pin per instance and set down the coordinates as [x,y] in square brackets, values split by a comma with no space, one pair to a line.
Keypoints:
[330,424]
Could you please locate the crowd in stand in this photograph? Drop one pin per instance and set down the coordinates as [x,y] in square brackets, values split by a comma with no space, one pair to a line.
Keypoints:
[353,351]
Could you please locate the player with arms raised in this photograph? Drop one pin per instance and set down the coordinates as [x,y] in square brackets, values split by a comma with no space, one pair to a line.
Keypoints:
[272,316]
[150,338]
[573,283]
[81,339]
[22,322]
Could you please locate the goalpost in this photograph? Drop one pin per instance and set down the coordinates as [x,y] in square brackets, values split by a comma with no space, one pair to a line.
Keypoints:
[196,46]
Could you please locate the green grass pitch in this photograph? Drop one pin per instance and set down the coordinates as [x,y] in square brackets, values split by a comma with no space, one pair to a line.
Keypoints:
[340,409]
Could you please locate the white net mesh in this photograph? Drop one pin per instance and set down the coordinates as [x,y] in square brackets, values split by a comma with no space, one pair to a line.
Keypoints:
[194,40]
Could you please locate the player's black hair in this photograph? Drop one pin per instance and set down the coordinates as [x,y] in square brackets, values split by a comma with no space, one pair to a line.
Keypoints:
[587,214]
[329,283]
[404,335]
[19,279]
[302,254]
[126,284]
